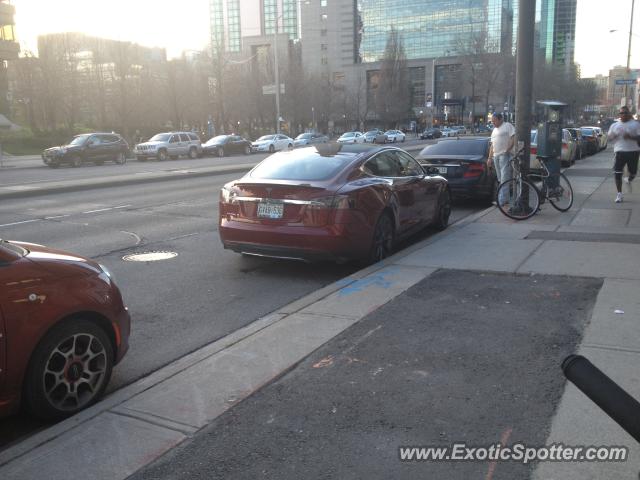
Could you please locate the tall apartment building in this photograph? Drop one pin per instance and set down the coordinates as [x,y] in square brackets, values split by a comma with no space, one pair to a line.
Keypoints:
[9,49]
[231,21]
[557,30]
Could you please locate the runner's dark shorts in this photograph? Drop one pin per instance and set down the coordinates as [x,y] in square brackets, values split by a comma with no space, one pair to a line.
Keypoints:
[630,159]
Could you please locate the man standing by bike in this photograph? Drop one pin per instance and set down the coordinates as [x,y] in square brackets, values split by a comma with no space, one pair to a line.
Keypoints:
[626,134]
[503,139]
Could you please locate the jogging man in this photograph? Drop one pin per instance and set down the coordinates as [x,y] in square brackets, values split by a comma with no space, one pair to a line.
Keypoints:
[625,134]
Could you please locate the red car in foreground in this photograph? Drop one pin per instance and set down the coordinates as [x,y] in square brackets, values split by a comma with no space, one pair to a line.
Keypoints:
[333,202]
[63,326]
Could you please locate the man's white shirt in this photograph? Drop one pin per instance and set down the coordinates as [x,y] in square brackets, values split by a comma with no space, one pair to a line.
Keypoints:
[616,134]
[500,137]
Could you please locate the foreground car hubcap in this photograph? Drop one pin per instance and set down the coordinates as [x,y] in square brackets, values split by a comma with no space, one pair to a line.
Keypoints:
[75,371]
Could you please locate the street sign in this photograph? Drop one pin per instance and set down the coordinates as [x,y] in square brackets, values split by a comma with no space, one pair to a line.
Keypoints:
[626,81]
[271,89]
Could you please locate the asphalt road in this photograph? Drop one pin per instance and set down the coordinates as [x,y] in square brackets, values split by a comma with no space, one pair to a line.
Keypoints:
[177,305]
[461,357]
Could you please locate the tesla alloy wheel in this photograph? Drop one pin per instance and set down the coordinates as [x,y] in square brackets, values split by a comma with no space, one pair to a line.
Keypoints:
[382,243]
[444,210]
[69,369]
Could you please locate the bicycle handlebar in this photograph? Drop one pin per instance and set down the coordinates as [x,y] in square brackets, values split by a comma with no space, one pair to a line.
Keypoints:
[604,392]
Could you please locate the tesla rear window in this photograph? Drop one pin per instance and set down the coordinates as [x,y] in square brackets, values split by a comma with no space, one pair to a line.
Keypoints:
[456,147]
[287,167]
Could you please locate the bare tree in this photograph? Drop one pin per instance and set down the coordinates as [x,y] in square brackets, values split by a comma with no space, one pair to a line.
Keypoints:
[393,97]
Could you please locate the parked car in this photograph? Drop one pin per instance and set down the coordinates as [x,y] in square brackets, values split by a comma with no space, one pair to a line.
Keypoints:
[226,145]
[482,129]
[169,145]
[431,133]
[351,137]
[567,156]
[394,136]
[64,326]
[592,139]
[333,201]
[305,139]
[463,162]
[581,142]
[88,148]
[601,135]
[461,129]
[272,143]
[449,132]
[375,136]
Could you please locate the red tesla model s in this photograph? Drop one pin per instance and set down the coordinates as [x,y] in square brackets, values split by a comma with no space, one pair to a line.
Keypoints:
[333,202]
[62,328]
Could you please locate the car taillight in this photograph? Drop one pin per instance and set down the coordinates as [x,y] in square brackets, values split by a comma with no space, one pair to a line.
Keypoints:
[534,150]
[473,170]
[335,202]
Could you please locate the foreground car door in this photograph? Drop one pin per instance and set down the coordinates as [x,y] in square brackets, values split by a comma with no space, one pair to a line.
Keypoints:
[426,188]
[3,350]
[386,165]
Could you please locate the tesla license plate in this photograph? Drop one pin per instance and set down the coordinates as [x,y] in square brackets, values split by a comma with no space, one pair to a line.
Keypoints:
[270,210]
[442,170]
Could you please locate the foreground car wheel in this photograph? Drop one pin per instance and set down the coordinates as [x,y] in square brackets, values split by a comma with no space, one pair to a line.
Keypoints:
[382,242]
[247,150]
[69,370]
[271,149]
[444,210]
[193,153]
[76,161]
[121,158]
[162,155]
[221,152]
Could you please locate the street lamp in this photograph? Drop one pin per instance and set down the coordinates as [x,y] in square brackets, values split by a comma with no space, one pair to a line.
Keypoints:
[313,119]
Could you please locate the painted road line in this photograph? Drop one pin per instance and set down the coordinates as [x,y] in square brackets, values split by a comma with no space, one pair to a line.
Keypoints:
[106,209]
[20,223]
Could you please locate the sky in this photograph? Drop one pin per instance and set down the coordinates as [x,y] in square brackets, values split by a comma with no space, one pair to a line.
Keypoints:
[184,25]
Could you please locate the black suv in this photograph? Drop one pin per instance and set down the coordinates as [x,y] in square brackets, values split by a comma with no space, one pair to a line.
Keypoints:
[88,147]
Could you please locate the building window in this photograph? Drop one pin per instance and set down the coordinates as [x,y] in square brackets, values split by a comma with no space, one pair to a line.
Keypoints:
[324,17]
[323,32]
[323,46]
[324,60]
[323,3]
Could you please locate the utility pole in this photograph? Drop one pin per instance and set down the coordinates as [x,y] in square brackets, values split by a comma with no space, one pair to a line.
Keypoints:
[524,77]
[626,87]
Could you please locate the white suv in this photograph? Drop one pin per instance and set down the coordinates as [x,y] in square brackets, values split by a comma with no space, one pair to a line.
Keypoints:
[169,145]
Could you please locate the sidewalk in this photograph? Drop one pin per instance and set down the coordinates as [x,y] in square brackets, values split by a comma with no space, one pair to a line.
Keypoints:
[451,378]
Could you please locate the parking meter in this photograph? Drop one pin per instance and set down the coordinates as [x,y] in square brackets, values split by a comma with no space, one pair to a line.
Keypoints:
[550,122]
[550,116]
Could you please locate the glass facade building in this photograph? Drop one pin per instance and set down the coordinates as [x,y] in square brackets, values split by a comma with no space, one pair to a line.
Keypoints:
[432,29]
[556,22]
[282,13]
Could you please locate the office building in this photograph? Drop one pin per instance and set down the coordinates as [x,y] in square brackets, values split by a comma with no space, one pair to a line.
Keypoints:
[556,30]
[9,50]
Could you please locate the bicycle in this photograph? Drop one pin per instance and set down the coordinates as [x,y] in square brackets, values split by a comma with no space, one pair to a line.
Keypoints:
[521,197]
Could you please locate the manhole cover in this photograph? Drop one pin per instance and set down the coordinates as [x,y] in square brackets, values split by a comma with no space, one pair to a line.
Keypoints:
[149,256]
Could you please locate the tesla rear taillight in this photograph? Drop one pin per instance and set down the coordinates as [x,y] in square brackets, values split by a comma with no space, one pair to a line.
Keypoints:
[334,202]
[473,170]
[534,150]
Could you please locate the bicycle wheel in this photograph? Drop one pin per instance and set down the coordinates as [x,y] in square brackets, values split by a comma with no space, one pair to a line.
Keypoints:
[561,198]
[518,199]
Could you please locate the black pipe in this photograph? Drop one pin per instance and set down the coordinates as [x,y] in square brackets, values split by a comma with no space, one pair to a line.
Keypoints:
[604,392]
